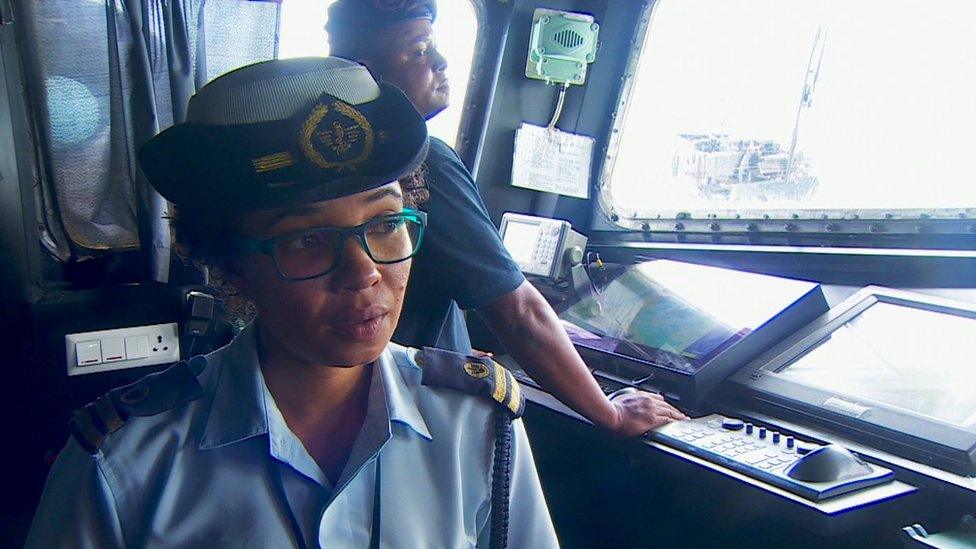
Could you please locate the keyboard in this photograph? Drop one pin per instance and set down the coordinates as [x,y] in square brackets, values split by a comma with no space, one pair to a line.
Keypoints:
[759,452]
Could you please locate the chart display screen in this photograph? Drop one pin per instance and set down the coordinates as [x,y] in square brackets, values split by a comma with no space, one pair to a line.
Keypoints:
[677,315]
[908,358]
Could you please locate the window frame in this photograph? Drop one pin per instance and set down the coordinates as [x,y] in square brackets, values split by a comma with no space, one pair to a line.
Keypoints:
[953,228]
[468,123]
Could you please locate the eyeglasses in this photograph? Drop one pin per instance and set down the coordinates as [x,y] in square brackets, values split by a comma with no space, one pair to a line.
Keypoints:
[311,253]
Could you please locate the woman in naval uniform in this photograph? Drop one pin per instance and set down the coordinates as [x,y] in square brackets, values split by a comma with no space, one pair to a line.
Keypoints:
[310,428]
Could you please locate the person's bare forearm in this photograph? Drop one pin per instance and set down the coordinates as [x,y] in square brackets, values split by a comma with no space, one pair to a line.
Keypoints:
[533,335]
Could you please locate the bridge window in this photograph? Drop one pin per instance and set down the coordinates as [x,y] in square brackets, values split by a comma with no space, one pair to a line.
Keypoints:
[792,109]
[302,34]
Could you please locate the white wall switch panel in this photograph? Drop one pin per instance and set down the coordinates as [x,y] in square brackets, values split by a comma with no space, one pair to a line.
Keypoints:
[105,350]
[136,347]
[113,349]
[88,353]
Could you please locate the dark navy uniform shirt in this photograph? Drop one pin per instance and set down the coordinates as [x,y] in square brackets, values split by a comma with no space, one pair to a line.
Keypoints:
[462,261]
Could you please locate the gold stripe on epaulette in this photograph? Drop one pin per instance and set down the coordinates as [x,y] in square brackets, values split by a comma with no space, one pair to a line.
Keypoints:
[500,385]
[514,396]
[273,162]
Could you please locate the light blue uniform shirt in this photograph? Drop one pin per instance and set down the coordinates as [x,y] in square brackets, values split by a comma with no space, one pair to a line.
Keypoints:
[225,470]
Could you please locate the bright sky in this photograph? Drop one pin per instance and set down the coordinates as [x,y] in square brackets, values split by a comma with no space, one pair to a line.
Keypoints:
[456,28]
[892,116]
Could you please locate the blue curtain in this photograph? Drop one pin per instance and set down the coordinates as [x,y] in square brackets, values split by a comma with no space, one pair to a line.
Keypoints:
[104,76]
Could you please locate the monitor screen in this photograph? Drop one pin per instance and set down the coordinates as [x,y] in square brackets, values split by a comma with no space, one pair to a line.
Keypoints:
[908,358]
[677,315]
[520,240]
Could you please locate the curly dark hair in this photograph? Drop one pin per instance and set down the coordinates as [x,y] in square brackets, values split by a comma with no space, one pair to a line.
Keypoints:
[415,192]
[205,237]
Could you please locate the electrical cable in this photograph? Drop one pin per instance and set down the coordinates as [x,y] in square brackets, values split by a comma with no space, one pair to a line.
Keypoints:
[591,259]
[559,107]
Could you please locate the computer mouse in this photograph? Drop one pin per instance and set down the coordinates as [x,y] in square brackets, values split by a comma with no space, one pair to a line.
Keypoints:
[828,463]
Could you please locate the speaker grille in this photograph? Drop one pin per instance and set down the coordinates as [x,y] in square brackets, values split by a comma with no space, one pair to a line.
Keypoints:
[568,39]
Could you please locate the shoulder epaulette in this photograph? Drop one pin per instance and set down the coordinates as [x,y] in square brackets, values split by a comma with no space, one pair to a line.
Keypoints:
[475,375]
[151,395]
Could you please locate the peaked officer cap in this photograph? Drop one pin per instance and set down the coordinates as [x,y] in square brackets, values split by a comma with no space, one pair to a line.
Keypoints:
[283,133]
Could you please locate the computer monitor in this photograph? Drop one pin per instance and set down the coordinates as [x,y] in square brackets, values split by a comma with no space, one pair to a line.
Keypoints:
[893,367]
[687,325]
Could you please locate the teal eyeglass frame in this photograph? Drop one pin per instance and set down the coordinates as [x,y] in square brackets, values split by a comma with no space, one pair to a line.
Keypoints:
[267,246]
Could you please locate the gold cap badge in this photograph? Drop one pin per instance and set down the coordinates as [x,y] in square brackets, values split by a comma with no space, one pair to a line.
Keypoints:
[336,136]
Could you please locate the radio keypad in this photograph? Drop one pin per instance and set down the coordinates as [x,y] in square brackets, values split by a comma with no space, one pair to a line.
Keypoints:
[546,245]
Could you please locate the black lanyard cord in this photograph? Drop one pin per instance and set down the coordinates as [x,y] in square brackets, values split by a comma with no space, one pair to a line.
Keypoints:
[374,533]
[501,480]
[296,530]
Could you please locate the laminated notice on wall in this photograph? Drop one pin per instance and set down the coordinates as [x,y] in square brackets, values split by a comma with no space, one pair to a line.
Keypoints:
[552,160]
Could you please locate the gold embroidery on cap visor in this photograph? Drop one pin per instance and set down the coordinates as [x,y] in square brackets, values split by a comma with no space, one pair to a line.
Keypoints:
[476,370]
[336,136]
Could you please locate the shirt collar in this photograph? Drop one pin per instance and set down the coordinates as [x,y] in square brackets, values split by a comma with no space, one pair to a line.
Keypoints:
[238,410]
[390,400]
[401,401]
